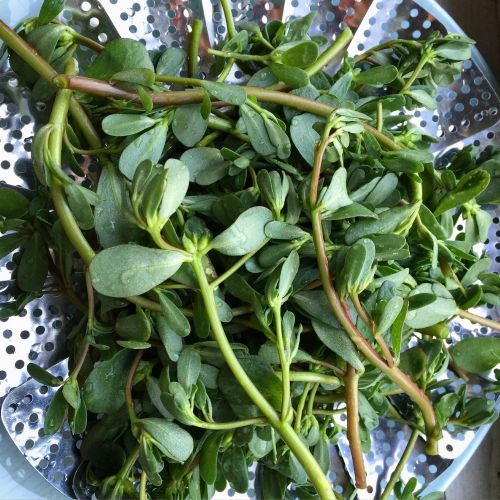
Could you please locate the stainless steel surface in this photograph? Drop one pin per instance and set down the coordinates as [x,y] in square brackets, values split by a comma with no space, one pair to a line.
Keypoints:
[467,113]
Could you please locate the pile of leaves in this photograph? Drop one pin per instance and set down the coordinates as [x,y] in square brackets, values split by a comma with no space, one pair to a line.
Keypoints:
[259,260]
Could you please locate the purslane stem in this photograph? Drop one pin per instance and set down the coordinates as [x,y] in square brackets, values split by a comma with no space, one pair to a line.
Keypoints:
[352,405]
[383,46]
[414,75]
[495,325]
[285,365]
[194,46]
[331,53]
[393,372]
[373,327]
[298,448]
[167,98]
[217,426]
[401,464]
[240,262]
[128,386]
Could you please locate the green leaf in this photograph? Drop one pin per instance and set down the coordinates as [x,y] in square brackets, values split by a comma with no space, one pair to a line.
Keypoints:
[349,212]
[13,205]
[49,10]
[321,453]
[151,462]
[477,355]
[34,265]
[358,269]
[235,469]
[337,341]
[119,55]
[169,338]
[148,146]
[304,136]
[176,187]
[146,99]
[474,271]
[278,138]
[445,408]
[232,94]
[111,224]
[390,313]
[122,124]
[188,124]
[205,165]
[377,76]
[9,242]
[42,376]
[71,392]
[173,441]
[176,319]
[454,51]
[413,362]
[397,331]
[439,310]
[188,367]
[256,129]
[300,53]
[469,186]
[79,205]
[138,76]
[259,447]
[287,274]
[209,454]
[290,76]
[133,327]
[279,230]
[246,233]
[388,222]
[476,412]
[127,270]
[78,418]
[104,389]
[423,98]
[269,352]
[55,414]
[335,196]
[171,61]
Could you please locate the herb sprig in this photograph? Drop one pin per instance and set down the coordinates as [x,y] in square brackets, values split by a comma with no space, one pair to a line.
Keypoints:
[259,259]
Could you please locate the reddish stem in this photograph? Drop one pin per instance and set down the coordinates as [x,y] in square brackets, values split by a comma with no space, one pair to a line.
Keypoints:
[351,398]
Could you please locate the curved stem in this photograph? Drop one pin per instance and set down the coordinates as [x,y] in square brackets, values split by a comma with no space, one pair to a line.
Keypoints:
[194,46]
[87,42]
[300,407]
[285,364]
[393,372]
[401,464]
[312,377]
[240,262]
[386,45]
[351,397]
[373,327]
[494,325]
[128,386]
[143,495]
[414,75]
[216,426]
[298,448]
[331,53]
[238,56]
[312,396]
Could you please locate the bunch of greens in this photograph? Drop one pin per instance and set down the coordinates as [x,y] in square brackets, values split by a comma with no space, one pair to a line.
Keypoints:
[259,259]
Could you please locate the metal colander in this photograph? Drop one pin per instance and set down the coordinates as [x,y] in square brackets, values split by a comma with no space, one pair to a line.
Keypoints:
[467,112]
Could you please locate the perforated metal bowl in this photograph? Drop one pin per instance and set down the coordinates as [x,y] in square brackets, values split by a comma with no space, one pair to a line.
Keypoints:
[467,112]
